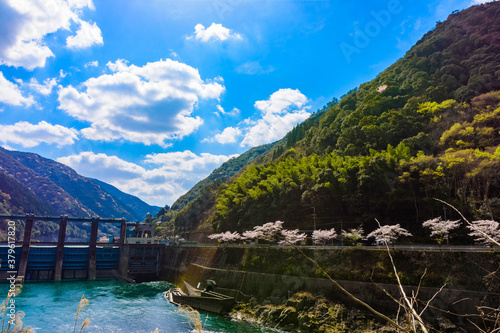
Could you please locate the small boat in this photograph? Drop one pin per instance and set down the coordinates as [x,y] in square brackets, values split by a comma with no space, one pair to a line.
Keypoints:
[206,300]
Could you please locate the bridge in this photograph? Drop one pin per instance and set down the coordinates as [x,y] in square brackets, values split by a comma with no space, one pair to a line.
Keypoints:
[29,260]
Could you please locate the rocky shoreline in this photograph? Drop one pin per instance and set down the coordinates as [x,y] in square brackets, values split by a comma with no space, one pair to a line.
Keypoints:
[305,312]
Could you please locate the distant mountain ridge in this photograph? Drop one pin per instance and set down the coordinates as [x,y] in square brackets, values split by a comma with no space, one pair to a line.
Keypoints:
[61,190]
[133,202]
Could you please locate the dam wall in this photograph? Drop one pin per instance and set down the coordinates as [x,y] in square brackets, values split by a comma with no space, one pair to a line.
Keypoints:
[275,273]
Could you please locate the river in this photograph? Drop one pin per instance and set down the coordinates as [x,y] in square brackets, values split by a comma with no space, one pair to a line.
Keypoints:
[113,307]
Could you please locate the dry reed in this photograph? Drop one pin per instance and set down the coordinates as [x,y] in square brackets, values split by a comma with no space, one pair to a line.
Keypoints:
[83,303]
[85,324]
[193,317]
[18,316]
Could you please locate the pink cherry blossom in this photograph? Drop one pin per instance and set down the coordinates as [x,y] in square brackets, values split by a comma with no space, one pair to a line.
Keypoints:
[440,229]
[323,236]
[388,233]
[479,230]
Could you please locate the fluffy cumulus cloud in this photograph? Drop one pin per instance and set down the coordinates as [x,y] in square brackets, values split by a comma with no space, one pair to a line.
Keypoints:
[149,104]
[11,94]
[30,135]
[280,113]
[165,177]
[25,23]
[88,35]
[44,88]
[186,160]
[99,166]
[228,135]
[215,32]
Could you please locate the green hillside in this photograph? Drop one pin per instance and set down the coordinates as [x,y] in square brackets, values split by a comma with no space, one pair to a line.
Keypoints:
[428,126]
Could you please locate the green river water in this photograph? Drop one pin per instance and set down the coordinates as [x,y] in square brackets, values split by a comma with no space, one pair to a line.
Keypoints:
[113,307]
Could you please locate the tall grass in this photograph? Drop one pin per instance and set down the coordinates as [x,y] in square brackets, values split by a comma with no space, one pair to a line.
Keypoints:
[193,317]
[83,303]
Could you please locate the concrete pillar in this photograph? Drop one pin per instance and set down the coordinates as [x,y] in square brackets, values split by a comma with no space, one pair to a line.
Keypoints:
[123,232]
[124,251]
[92,250]
[25,252]
[60,249]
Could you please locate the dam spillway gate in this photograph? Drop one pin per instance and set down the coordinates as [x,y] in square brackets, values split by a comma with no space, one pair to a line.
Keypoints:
[30,260]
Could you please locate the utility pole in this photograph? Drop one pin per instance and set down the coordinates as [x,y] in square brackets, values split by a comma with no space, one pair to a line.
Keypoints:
[314,216]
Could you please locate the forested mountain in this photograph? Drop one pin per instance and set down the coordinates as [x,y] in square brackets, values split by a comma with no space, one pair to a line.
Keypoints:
[16,198]
[32,184]
[428,126]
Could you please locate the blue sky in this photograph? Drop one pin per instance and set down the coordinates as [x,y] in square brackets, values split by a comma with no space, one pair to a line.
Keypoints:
[151,96]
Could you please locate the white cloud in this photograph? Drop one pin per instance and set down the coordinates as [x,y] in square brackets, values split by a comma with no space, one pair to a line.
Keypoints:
[477,2]
[94,63]
[149,104]
[174,173]
[228,135]
[98,166]
[186,160]
[81,4]
[25,23]
[45,88]
[215,32]
[30,135]
[233,112]
[280,113]
[174,54]
[253,68]
[281,101]
[86,36]
[10,93]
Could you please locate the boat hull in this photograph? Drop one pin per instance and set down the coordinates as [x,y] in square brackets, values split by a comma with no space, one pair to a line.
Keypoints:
[207,301]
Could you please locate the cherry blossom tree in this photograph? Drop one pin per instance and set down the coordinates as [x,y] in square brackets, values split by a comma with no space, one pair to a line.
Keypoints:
[323,236]
[226,237]
[269,231]
[440,229]
[388,233]
[353,235]
[485,232]
[292,236]
[251,235]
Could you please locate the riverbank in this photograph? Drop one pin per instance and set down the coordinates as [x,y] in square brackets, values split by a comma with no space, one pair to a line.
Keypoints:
[307,313]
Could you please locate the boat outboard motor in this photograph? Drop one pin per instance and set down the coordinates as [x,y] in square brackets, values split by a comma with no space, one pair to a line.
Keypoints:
[210,285]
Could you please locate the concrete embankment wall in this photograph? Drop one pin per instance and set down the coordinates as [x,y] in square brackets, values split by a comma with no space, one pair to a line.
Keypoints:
[275,273]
